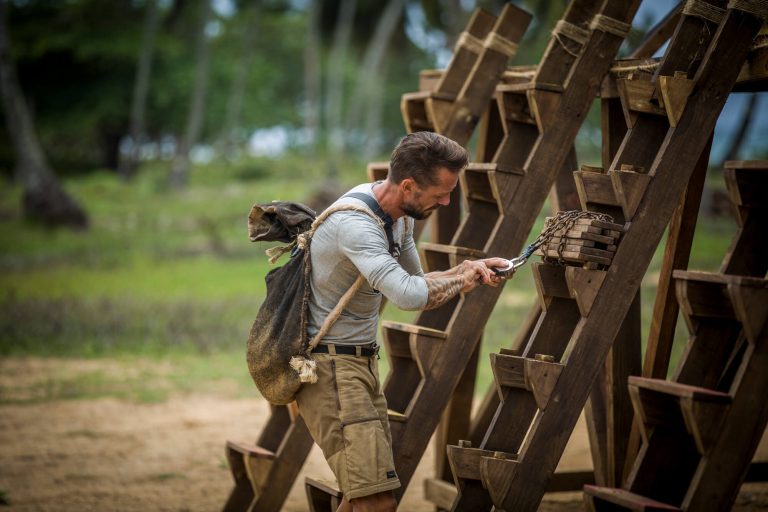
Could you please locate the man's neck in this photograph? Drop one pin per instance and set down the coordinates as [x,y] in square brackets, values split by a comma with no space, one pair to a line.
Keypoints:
[388,196]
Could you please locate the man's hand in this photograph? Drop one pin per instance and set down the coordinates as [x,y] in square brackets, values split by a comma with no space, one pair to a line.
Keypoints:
[476,272]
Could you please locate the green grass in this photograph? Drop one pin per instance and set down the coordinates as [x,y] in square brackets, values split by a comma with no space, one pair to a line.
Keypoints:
[166,284]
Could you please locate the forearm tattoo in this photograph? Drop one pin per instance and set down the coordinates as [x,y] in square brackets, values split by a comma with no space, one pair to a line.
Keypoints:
[443,289]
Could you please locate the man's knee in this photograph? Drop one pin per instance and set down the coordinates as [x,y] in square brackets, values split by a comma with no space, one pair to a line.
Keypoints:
[379,502]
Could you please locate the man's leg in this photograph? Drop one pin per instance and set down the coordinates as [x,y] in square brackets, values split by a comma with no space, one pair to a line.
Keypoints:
[379,502]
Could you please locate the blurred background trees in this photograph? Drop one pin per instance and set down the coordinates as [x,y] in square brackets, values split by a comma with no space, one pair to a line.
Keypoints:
[113,84]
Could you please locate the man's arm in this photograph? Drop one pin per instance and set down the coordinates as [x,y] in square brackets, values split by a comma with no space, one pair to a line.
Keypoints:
[442,286]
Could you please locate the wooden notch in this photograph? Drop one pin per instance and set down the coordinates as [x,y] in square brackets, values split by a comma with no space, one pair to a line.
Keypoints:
[749,298]
[595,189]
[583,285]
[629,188]
[639,94]
[544,106]
[675,91]
[465,462]
[538,376]
[496,473]
[440,493]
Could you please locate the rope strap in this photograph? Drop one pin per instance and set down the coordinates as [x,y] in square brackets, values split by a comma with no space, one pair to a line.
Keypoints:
[651,66]
[500,44]
[704,10]
[610,25]
[468,42]
[571,31]
[757,8]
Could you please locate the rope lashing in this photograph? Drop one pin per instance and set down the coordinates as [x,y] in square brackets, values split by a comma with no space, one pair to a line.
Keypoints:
[650,67]
[610,25]
[469,43]
[500,44]
[704,10]
[757,8]
[571,31]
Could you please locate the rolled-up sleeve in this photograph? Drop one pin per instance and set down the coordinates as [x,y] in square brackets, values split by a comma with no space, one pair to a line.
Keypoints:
[363,241]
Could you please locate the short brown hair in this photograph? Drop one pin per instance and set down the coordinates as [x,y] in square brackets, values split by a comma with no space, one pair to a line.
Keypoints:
[420,154]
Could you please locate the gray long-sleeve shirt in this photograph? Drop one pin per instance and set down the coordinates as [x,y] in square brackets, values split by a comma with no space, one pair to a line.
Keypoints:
[351,243]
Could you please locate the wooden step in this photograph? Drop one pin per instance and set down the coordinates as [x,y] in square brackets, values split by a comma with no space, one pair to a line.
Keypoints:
[249,464]
[747,184]
[414,111]
[438,257]
[583,285]
[550,283]
[496,472]
[595,497]
[489,182]
[377,171]
[663,402]
[322,495]
[620,188]
[538,376]
[723,296]
[513,104]
[465,461]
[411,350]
[702,295]
[639,94]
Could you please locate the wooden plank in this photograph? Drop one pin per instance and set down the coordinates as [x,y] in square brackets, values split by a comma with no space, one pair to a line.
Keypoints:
[629,188]
[414,329]
[455,424]
[626,499]
[657,35]
[595,189]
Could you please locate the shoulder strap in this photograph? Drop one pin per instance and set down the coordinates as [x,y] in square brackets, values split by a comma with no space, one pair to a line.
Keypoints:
[375,207]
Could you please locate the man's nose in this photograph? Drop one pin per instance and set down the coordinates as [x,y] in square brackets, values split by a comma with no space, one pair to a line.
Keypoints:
[445,201]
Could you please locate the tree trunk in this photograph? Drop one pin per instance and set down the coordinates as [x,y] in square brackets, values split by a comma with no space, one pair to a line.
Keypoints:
[44,200]
[180,167]
[335,84]
[373,117]
[312,76]
[130,159]
[231,142]
[370,69]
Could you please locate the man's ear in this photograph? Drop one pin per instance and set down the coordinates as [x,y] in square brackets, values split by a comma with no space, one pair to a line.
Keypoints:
[408,185]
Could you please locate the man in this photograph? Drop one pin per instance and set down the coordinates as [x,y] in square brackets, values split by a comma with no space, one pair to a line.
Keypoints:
[346,411]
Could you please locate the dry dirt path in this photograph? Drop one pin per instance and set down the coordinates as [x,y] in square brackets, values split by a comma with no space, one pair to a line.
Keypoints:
[107,454]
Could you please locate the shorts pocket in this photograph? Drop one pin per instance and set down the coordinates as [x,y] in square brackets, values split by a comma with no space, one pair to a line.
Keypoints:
[367,453]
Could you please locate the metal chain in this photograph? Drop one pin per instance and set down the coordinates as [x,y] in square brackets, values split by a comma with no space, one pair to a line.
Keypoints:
[562,221]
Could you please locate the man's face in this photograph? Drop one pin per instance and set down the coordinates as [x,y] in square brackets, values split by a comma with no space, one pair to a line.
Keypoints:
[419,202]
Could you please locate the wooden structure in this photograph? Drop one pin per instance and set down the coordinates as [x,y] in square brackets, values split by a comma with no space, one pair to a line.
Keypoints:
[658,117]
[583,308]
[707,413]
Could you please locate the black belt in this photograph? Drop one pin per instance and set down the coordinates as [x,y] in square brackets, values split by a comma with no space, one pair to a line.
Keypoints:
[348,350]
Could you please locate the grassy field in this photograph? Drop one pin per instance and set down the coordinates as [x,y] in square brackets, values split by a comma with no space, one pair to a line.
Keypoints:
[166,284]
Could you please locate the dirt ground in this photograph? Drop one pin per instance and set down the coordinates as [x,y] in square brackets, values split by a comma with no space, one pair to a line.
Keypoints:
[107,454]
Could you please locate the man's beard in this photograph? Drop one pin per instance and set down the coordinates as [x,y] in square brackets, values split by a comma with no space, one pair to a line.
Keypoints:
[417,214]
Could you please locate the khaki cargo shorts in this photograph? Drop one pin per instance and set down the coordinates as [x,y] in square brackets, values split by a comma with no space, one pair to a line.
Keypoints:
[346,413]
